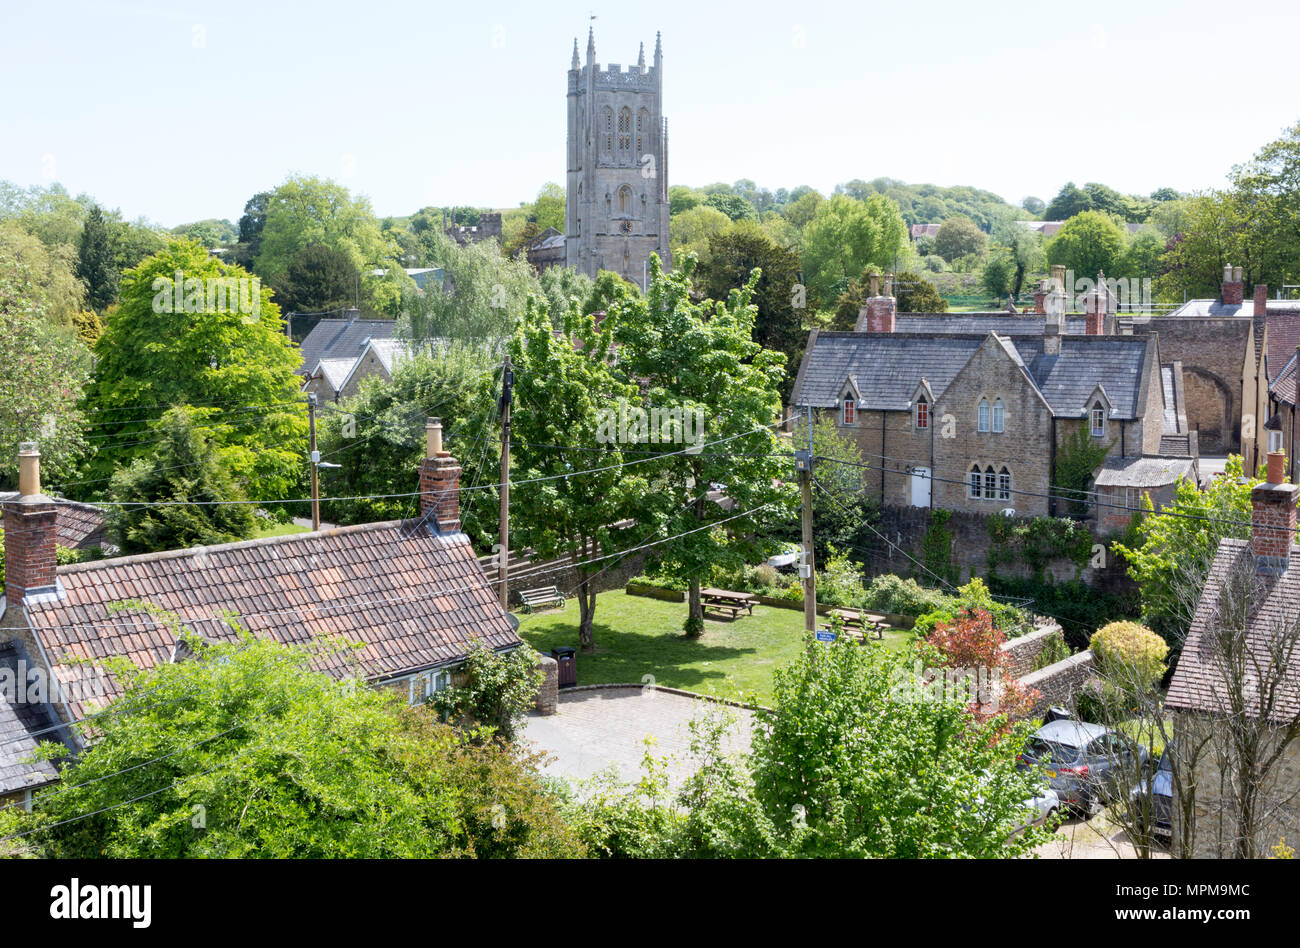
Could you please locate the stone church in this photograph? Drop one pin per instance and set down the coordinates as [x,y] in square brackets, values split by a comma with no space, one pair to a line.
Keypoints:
[617,185]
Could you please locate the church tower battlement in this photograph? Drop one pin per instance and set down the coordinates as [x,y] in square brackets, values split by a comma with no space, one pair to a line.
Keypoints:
[616,211]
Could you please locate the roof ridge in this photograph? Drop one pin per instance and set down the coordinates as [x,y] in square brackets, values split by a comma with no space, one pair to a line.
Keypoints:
[288,538]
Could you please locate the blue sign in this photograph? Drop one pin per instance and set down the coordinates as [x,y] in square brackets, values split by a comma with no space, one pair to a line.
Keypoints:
[825,636]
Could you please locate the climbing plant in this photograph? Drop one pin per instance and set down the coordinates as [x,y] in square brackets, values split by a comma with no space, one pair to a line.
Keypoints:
[1078,456]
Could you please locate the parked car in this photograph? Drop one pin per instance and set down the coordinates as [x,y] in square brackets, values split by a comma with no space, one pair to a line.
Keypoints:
[1086,764]
[1160,787]
[1044,806]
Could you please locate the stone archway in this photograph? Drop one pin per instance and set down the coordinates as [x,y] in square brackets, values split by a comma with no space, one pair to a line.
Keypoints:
[1209,411]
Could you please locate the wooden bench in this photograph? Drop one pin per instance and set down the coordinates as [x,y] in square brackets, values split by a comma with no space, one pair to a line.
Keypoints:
[731,602]
[533,598]
[858,623]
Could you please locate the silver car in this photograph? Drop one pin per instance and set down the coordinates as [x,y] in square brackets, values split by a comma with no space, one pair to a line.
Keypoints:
[1086,764]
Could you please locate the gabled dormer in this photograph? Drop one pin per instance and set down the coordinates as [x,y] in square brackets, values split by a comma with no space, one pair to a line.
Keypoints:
[1097,411]
[849,402]
[922,406]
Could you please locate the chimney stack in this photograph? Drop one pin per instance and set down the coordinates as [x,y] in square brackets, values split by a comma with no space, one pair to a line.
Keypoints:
[1099,308]
[29,528]
[1261,299]
[1040,298]
[1233,286]
[878,312]
[1273,518]
[439,481]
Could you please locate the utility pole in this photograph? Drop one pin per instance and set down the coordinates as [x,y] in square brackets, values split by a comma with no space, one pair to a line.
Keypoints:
[807,572]
[315,462]
[503,567]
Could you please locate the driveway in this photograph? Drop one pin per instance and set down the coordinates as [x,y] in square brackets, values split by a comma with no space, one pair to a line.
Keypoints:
[1097,838]
[603,727]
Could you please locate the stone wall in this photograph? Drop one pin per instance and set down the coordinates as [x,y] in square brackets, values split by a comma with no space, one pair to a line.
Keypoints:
[1059,682]
[548,691]
[1021,653]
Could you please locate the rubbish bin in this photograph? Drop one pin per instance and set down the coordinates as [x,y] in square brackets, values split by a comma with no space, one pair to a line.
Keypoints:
[566,658]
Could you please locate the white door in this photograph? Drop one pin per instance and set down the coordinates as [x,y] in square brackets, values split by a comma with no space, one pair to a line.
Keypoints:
[920,487]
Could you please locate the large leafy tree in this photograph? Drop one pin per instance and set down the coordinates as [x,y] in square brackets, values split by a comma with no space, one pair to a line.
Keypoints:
[95,264]
[44,370]
[736,253]
[51,269]
[318,278]
[198,497]
[1087,243]
[305,211]
[235,368]
[859,765]
[243,751]
[700,359]
[844,236]
[959,237]
[482,296]
[565,386]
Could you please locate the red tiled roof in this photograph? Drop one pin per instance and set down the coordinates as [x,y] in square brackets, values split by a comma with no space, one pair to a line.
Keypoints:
[413,598]
[1283,336]
[1274,603]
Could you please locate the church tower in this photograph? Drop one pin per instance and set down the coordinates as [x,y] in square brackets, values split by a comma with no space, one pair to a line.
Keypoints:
[616,211]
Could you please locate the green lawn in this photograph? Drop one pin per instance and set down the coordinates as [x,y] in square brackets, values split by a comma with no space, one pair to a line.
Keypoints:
[273,529]
[636,636]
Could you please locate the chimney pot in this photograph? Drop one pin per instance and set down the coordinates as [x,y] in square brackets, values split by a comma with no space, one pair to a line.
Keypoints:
[433,437]
[1233,288]
[29,533]
[29,469]
[439,482]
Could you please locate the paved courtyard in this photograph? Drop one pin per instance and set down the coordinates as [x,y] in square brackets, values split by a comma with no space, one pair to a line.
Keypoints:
[595,729]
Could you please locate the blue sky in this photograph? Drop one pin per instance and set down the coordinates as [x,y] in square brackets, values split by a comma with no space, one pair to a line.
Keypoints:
[180,111]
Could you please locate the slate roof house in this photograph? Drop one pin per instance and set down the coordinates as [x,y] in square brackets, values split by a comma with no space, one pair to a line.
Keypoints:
[336,379]
[341,339]
[410,592]
[969,412]
[1242,656]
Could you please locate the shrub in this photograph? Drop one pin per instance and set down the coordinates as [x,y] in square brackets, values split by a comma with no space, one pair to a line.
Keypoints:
[1099,702]
[1054,650]
[890,593]
[1129,653]
[974,597]
[497,691]
[840,583]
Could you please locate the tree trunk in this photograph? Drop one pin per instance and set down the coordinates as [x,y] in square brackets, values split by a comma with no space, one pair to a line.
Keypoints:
[695,613]
[586,614]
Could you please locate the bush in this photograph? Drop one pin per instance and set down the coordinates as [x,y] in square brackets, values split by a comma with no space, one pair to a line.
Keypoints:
[840,583]
[1099,702]
[497,692]
[907,597]
[975,597]
[1130,654]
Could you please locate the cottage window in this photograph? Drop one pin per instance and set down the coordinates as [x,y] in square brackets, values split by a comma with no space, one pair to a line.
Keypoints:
[983,423]
[999,416]
[1004,484]
[990,484]
[1098,420]
[848,412]
[436,681]
[976,481]
[923,414]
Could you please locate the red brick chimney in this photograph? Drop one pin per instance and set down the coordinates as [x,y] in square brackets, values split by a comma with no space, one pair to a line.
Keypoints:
[1233,286]
[439,481]
[1099,306]
[1273,518]
[878,310]
[29,533]
[1040,299]
[1261,299]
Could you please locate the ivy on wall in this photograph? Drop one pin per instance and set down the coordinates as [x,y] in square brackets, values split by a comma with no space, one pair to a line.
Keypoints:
[936,547]
[1078,456]
[1037,542]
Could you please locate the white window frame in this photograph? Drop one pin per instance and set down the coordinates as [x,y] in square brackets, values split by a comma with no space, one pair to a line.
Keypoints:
[1098,427]
[999,417]
[982,416]
[1004,483]
[975,482]
[848,412]
[922,406]
[990,483]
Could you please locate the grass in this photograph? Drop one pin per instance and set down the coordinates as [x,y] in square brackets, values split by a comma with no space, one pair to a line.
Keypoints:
[637,636]
[273,529]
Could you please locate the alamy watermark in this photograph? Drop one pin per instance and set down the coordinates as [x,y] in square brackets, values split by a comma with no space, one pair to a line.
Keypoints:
[226,294]
[969,686]
[631,424]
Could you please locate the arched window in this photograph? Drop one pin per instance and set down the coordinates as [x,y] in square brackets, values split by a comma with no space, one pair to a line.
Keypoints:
[976,481]
[999,416]
[922,413]
[1098,419]
[990,484]
[608,123]
[1004,484]
[848,411]
[624,200]
[642,126]
[625,131]
[982,423]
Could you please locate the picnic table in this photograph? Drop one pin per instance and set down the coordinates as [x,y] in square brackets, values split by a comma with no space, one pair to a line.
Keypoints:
[725,600]
[857,622]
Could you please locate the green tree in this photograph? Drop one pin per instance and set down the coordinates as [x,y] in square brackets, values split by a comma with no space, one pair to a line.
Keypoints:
[1174,553]
[483,294]
[565,419]
[859,764]
[548,209]
[235,367]
[1069,201]
[244,752]
[959,237]
[689,231]
[998,273]
[915,294]
[317,278]
[800,212]
[733,255]
[1088,243]
[733,205]
[45,368]
[845,236]
[186,475]
[699,359]
[95,265]
[305,211]
[51,269]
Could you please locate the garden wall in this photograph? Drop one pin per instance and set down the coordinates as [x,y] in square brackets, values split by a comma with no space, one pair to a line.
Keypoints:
[1059,682]
[1021,653]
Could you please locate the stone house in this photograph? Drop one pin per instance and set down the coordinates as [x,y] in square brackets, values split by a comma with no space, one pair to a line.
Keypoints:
[1239,675]
[411,593]
[546,250]
[341,339]
[970,412]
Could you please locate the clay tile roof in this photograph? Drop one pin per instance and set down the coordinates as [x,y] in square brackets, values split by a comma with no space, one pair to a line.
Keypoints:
[413,599]
[1274,612]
